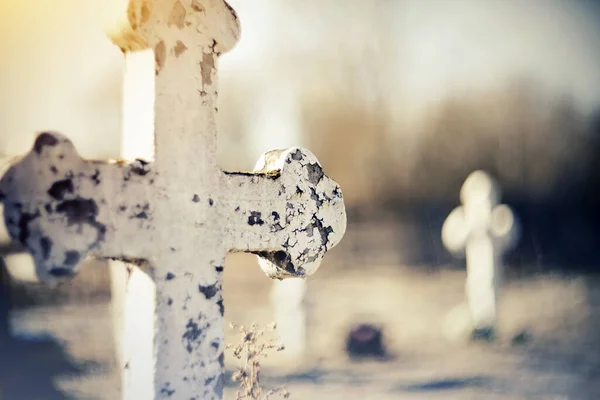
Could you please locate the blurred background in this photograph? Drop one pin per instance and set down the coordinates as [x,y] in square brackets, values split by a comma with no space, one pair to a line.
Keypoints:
[400,100]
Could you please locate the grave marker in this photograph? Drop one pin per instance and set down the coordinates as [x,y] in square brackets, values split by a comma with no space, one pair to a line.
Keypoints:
[482,230]
[178,215]
[287,299]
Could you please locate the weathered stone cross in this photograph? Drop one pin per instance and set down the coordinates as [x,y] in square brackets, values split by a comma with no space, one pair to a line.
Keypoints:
[179,213]
[484,230]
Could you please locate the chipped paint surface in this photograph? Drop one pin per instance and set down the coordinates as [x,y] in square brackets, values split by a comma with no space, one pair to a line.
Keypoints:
[178,215]
[285,212]
[482,230]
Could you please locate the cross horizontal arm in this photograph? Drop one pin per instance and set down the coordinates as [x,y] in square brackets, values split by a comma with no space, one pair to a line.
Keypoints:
[455,231]
[62,208]
[500,225]
[289,212]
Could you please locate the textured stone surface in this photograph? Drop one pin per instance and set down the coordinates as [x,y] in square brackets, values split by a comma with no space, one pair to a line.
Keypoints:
[288,212]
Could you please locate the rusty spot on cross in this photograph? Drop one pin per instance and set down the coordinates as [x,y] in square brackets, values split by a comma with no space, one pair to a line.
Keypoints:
[179,48]
[132,15]
[206,66]
[160,55]
[197,6]
[145,14]
[177,16]
[138,16]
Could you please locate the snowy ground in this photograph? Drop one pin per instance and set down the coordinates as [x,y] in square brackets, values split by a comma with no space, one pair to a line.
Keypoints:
[561,361]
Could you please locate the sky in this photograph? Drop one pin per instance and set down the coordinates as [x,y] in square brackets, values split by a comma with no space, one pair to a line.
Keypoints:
[58,71]
[435,47]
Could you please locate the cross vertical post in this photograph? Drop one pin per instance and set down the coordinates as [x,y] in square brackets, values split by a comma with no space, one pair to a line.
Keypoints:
[288,303]
[133,292]
[178,215]
[482,230]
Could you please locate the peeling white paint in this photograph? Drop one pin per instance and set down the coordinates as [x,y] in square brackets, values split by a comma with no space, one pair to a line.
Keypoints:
[178,215]
[482,230]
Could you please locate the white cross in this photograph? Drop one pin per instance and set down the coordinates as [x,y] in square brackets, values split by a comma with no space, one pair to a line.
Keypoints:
[482,230]
[180,213]
[288,303]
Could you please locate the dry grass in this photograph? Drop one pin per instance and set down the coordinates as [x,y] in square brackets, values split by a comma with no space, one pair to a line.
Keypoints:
[535,141]
[250,350]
